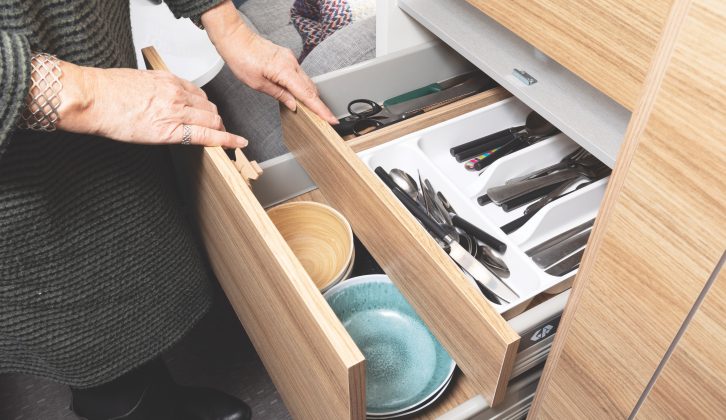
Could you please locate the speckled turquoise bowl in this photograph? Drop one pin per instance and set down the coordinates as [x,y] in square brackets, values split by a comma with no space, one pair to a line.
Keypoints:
[405,364]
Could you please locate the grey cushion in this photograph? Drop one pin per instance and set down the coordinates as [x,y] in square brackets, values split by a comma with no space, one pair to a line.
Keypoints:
[350,45]
[256,116]
[271,18]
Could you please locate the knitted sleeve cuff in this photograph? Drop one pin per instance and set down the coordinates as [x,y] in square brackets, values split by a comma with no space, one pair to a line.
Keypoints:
[192,9]
[14,81]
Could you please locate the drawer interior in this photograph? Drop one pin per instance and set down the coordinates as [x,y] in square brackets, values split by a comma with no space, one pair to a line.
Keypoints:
[473,331]
[426,152]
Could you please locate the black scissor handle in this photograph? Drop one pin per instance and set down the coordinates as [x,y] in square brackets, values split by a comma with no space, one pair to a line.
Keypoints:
[366,125]
[373,109]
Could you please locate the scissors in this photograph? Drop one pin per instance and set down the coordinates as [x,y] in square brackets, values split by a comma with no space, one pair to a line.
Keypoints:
[366,115]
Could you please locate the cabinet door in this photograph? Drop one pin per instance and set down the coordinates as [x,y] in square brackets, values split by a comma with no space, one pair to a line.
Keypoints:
[693,379]
[609,43]
[660,233]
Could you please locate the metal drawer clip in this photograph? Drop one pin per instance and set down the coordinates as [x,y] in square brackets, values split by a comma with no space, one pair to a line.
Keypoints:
[524,77]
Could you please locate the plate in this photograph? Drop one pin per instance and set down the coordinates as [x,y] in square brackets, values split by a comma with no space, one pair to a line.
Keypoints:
[405,364]
[423,405]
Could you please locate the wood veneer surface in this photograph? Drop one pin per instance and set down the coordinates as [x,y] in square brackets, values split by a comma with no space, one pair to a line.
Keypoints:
[660,233]
[609,43]
[693,380]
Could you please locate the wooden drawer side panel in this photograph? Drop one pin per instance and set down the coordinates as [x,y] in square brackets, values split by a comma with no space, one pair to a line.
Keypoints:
[310,357]
[476,336]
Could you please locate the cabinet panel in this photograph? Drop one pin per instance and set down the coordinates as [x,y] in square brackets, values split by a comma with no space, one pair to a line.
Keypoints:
[693,380]
[609,43]
[659,235]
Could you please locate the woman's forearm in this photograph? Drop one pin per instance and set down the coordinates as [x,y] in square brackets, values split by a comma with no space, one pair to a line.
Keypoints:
[259,63]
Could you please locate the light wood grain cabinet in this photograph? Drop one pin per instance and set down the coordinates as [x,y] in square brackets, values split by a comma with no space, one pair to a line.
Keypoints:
[660,234]
[609,43]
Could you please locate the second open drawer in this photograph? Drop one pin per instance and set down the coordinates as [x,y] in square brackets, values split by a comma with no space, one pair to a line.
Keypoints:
[473,331]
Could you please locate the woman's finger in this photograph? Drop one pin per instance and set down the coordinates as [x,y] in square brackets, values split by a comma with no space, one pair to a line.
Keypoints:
[307,94]
[196,116]
[205,136]
[192,88]
[279,93]
[196,101]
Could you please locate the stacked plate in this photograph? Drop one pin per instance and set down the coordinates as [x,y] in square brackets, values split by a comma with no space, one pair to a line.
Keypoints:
[406,367]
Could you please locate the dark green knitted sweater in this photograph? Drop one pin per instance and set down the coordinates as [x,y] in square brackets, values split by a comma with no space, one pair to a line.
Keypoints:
[98,269]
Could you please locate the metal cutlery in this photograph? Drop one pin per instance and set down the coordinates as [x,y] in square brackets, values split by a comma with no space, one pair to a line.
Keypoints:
[576,155]
[556,253]
[463,258]
[561,237]
[567,265]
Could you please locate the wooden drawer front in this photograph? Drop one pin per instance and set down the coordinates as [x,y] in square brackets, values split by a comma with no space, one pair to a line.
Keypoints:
[312,360]
[608,43]
[475,335]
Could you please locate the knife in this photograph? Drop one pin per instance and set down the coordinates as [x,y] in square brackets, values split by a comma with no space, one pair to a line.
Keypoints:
[555,253]
[559,238]
[474,84]
[568,264]
[429,89]
[462,257]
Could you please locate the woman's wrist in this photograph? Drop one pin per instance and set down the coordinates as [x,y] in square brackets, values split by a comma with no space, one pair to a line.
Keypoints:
[223,21]
[76,97]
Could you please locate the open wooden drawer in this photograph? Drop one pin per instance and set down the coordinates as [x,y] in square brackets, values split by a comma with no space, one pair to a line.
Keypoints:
[475,334]
[313,362]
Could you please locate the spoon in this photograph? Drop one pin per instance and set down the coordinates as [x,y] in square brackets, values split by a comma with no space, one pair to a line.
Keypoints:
[469,227]
[493,262]
[406,183]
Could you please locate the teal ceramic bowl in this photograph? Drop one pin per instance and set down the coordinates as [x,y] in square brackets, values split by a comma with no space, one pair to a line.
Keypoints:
[405,364]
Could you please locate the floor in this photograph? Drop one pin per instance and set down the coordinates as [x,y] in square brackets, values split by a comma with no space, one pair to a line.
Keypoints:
[216,353]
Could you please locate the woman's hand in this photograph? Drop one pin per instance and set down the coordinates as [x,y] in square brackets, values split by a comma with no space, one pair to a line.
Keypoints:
[259,63]
[139,106]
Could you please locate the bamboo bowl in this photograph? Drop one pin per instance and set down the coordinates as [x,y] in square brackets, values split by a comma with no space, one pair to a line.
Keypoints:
[320,237]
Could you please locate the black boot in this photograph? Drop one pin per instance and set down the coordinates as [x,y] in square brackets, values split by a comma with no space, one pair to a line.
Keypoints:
[210,404]
[149,393]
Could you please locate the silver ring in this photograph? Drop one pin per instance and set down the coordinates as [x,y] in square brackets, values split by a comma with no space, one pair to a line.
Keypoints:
[187,136]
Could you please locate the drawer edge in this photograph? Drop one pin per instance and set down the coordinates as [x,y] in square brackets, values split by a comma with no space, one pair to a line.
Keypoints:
[288,321]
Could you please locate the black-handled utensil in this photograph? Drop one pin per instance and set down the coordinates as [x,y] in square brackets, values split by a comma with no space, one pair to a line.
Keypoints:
[491,144]
[479,234]
[462,257]
[484,140]
[567,265]
[561,237]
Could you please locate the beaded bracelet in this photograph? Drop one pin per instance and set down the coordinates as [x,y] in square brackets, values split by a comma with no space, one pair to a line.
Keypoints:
[43,100]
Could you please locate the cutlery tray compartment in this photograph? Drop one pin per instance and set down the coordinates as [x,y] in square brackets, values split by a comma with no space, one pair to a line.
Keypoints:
[427,152]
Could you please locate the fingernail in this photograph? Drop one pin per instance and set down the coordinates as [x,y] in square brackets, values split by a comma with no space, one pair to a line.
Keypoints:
[333,120]
[292,105]
[241,142]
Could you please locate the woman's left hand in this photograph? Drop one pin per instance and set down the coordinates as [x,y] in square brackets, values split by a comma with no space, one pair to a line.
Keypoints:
[259,63]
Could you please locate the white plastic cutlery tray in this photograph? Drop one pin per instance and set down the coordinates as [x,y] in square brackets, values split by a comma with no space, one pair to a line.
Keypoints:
[427,152]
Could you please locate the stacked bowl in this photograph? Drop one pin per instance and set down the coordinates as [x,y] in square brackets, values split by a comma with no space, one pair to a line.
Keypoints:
[320,237]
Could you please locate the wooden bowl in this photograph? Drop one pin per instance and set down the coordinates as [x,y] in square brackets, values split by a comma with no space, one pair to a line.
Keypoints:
[319,236]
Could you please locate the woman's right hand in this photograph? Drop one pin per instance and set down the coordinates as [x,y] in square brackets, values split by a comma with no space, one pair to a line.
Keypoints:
[139,106]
